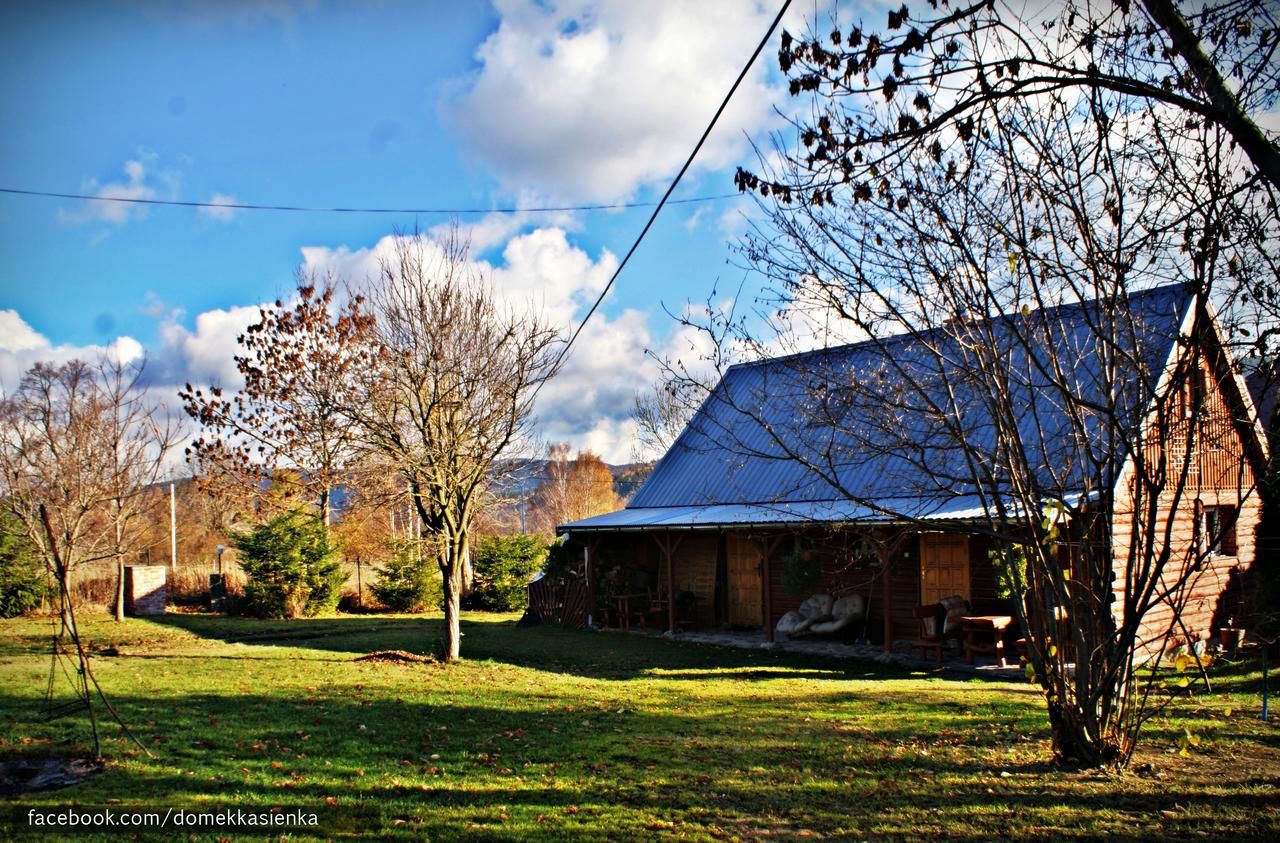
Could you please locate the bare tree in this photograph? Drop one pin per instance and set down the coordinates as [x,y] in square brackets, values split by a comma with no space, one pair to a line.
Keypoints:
[296,364]
[84,443]
[140,436]
[445,390]
[955,185]
[1173,85]
[662,411]
[572,488]
[78,447]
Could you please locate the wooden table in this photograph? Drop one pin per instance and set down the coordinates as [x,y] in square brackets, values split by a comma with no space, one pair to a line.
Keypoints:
[977,627]
[626,612]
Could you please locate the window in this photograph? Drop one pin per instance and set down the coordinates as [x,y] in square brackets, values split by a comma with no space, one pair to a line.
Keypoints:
[1218,530]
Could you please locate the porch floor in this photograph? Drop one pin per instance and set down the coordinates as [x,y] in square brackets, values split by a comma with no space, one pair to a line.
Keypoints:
[903,653]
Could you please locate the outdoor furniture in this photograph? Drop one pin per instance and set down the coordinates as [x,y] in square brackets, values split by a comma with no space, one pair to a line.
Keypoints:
[954,608]
[931,638]
[686,610]
[985,634]
[814,609]
[845,611]
[631,607]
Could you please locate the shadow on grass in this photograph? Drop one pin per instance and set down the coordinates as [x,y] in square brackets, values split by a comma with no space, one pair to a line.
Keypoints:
[576,652]
[438,767]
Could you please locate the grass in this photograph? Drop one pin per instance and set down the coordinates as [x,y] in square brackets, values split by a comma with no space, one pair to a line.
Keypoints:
[550,734]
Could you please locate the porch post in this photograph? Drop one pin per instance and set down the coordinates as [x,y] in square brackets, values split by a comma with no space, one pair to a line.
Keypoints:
[667,545]
[588,555]
[767,588]
[886,562]
[766,547]
[671,586]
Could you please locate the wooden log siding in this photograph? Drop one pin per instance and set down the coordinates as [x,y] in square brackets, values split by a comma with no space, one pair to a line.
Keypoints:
[1220,474]
[695,572]
[1207,607]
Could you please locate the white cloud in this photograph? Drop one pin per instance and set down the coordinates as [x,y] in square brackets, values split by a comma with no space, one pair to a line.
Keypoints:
[540,269]
[204,356]
[218,209]
[17,336]
[590,100]
[21,347]
[554,277]
[134,186]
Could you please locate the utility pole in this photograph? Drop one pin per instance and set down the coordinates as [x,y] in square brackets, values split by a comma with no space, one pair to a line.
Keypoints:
[173,528]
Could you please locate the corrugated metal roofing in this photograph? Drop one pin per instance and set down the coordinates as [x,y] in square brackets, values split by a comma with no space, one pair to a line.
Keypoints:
[778,435]
[965,508]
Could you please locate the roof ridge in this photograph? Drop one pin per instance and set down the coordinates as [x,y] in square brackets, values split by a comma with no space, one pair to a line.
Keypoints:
[891,339]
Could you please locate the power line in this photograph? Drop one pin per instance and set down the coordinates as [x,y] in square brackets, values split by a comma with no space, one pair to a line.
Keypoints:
[564,352]
[244,206]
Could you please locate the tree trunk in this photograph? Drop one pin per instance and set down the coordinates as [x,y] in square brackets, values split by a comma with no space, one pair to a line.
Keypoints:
[451,635]
[119,588]
[1075,746]
[64,582]
[119,570]
[452,563]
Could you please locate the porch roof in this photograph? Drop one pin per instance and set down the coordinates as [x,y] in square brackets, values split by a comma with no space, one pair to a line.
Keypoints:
[962,508]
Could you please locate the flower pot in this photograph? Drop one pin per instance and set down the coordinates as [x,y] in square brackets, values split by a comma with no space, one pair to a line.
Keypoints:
[1231,638]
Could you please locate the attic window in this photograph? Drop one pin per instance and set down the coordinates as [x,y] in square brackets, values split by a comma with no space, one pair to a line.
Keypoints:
[1218,530]
[1192,392]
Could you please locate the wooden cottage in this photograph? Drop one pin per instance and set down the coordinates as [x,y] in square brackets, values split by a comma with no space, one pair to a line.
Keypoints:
[779,485]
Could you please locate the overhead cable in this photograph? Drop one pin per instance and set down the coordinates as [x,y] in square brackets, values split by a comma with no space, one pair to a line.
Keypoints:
[564,352]
[245,206]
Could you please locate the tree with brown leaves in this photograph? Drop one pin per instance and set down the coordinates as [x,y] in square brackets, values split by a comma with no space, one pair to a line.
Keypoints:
[572,488]
[297,363]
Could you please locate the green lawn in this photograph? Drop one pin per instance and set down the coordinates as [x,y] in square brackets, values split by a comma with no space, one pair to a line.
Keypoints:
[560,735]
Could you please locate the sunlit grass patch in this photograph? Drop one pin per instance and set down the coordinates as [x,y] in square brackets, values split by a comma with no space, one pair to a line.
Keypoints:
[555,734]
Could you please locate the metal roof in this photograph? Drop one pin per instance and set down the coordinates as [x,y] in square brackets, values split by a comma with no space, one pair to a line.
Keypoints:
[967,508]
[778,440]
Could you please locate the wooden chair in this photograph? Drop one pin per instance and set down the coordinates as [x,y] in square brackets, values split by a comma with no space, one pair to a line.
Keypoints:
[931,617]
[656,617]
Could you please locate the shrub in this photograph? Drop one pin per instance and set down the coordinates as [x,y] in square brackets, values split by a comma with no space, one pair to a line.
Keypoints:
[406,584]
[503,567]
[562,563]
[24,585]
[801,570]
[291,568]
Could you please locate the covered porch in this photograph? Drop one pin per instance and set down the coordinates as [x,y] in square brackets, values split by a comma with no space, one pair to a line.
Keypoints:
[738,570]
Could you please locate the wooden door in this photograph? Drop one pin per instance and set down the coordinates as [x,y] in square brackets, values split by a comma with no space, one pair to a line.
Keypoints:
[744,583]
[944,566]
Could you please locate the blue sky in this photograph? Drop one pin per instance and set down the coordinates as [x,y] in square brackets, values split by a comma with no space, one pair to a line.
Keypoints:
[380,104]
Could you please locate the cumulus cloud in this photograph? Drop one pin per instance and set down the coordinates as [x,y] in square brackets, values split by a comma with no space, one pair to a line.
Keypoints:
[22,346]
[539,270]
[204,354]
[591,99]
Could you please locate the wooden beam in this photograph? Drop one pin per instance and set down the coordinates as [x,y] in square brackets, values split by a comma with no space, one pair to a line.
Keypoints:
[766,546]
[886,564]
[590,551]
[886,550]
[668,543]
